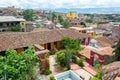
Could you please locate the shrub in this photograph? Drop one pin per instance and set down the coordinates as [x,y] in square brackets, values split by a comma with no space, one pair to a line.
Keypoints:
[39,25]
[60,58]
[80,61]
[65,69]
[47,72]
[74,59]
[98,76]
[52,78]
[53,51]
[48,64]
[16,28]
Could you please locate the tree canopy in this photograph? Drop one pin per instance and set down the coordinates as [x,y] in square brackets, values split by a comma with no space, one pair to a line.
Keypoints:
[83,23]
[98,76]
[60,57]
[14,14]
[18,66]
[60,19]
[71,47]
[29,15]
[39,25]
[54,16]
[66,23]
[16,28]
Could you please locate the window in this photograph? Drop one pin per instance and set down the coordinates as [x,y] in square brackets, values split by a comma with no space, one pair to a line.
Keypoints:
[86,39]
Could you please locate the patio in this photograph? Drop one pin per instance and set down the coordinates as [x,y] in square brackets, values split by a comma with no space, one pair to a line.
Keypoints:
[85,73]
[56,69]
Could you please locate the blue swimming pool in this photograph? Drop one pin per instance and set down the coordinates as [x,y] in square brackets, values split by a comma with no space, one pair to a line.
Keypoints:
[68,75]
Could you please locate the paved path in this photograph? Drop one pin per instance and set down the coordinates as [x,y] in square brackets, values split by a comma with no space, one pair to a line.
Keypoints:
[43,77]
[53,64]
[40,76]
[90,69]
[74,66]
[83,74]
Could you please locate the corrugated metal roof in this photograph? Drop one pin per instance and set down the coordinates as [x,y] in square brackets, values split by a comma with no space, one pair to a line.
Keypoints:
[10,19]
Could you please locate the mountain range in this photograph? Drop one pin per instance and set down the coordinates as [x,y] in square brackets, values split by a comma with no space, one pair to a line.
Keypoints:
[111,10]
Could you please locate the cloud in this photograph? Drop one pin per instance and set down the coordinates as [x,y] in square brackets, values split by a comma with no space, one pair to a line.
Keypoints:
[60,3]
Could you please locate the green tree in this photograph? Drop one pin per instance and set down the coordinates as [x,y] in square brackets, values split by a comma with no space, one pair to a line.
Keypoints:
[53,16]
[80,61]
[14,14]
[28,15]
[39,25]
[92,21]
[35,17]
[63,59]
[89,21]
[117,51]
[83,23]
[18,66]
[98,76]
[16,28]
[52,77]
[72,47]
[60,58]
[66,23]
[67,58]
[60,19]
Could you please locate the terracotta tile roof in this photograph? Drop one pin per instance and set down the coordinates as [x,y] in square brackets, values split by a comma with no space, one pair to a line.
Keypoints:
[15,40]
[104,42]
[111,71]
[116,31]
[39,29]
[114,40]
[107,50]
[117,78]
[104,26]
[85,52]
[102,51]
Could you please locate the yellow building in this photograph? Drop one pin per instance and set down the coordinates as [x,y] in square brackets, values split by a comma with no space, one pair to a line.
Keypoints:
[90,31]
[96,33]
[72,14]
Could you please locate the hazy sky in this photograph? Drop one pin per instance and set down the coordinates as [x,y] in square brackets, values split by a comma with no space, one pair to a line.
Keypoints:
[60,3]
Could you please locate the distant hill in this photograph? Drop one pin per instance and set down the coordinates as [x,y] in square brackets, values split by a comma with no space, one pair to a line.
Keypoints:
[111,10]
